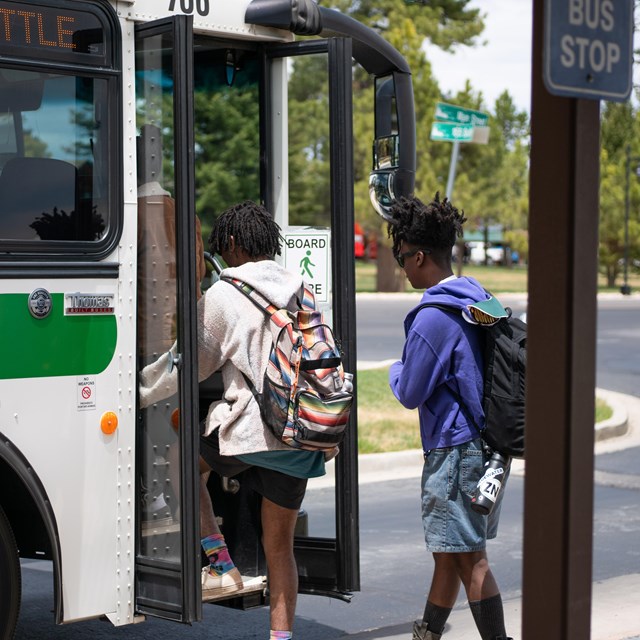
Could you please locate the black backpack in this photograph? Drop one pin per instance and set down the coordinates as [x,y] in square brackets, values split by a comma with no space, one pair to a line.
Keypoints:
[505,364]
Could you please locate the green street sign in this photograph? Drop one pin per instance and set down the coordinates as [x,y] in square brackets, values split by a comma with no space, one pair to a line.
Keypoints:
[451,113]
[452,132]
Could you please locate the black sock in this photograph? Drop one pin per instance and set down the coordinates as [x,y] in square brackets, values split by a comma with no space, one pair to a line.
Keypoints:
[435,617]
[489,617]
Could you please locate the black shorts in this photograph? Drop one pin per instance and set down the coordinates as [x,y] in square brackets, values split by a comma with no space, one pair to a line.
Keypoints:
[284,490]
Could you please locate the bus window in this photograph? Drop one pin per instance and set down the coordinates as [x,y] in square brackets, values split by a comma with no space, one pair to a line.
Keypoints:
[53,184]
[227,126]
[309,148]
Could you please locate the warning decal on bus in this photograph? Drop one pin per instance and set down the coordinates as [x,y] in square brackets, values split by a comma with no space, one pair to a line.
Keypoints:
[88,303]
[86,393]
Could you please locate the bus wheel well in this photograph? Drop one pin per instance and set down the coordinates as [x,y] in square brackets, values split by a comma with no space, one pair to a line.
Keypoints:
[29,513]
[23,514]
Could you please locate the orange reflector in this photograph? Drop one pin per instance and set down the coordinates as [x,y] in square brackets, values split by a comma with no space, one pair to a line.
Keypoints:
[175,419]
[109,422]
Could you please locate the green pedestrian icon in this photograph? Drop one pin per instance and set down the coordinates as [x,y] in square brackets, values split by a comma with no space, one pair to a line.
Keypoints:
[305,263]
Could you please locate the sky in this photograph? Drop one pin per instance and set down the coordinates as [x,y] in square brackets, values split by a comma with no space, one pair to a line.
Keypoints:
[504,62]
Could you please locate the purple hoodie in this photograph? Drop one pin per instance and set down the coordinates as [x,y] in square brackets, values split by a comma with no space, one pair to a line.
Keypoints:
[442,352]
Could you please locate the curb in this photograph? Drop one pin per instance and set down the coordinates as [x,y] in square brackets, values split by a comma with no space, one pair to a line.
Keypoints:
[618,423]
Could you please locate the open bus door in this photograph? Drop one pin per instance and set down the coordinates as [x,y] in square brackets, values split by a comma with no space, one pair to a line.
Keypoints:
[327,565]
[167,557]
[175,78]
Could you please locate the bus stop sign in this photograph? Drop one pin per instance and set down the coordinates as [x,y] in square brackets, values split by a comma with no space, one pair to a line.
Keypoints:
[588,48]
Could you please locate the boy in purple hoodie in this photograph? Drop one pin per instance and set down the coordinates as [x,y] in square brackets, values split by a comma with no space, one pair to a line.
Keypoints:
[442,361]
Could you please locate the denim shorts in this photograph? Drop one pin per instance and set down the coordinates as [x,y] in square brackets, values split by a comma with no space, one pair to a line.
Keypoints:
[449,480]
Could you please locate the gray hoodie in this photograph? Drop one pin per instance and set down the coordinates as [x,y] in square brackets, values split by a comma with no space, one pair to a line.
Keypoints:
[233,336]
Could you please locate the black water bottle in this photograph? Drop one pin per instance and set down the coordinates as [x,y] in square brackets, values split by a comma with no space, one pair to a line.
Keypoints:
[490,484]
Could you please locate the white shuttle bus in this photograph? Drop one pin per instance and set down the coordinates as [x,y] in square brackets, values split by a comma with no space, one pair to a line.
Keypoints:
[110,111]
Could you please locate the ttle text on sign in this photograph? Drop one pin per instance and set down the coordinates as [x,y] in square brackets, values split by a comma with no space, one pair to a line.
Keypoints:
[38,28]
[28,28]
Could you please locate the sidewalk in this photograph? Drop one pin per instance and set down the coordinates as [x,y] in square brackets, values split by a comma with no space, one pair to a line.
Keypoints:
[615,616]
[615,602]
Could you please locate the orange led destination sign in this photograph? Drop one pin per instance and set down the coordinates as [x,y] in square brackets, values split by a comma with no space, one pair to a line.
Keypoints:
[32,27]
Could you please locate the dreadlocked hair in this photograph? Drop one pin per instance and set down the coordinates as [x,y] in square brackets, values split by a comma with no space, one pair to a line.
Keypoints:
[252,228]
[432,226]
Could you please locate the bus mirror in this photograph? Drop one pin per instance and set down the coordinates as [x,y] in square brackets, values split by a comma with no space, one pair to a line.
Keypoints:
[393,171]
[381,192]
[385,148]
[385,107]
[385,153]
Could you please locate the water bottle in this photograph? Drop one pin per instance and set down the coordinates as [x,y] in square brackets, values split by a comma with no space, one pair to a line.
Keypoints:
[490,484]
[347,387]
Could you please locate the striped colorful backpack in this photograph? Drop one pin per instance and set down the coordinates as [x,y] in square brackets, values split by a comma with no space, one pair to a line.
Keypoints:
[305,400]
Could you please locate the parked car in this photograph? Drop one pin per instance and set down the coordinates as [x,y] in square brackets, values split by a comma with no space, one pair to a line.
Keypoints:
[495,254]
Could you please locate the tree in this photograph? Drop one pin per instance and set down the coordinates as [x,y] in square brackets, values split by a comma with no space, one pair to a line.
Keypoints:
[309,172]
[492,180]
[407,25]
[618,128]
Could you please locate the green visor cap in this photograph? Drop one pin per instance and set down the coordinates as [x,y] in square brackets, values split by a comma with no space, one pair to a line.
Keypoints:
[487,312]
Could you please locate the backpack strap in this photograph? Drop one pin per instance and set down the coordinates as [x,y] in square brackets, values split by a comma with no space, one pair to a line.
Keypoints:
[304,297]
[255,296]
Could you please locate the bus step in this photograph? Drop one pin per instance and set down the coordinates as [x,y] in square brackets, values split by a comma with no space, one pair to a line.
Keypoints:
[163,527]
[250,584]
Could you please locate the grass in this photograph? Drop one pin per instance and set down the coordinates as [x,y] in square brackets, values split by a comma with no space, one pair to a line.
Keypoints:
[385,425]
[495,279]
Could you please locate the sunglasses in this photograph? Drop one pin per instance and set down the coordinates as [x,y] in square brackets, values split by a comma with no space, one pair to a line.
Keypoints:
[401,257]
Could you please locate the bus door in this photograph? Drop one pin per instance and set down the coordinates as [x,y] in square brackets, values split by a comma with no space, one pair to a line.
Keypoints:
[308,110]
[167,557]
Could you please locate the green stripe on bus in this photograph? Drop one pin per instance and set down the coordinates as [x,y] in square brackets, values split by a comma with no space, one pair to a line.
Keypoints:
[57,345]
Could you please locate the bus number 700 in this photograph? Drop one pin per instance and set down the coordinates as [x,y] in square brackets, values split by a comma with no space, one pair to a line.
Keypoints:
[186,6]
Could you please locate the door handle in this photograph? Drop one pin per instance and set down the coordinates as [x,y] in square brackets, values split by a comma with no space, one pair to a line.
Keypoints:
[175,362]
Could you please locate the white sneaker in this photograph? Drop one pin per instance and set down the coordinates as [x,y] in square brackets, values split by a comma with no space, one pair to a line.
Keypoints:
[216,585]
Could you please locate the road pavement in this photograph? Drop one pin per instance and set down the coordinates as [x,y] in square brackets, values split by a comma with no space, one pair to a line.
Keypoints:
[615,601]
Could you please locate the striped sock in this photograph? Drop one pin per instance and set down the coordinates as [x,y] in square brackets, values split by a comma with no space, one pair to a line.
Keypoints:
[216,549]
[280,635]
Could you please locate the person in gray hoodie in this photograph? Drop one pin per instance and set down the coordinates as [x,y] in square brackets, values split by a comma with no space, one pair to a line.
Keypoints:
[234,337]
[441,363]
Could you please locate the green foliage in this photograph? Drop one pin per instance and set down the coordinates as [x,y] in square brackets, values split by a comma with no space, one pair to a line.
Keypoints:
[492,180]
[227,149]
[309,177]
[619,128]
[383,423]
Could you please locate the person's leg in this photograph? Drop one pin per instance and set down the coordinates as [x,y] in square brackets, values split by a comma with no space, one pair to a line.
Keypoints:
[278,526]
[483,594]
[445,585]
[222,575]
